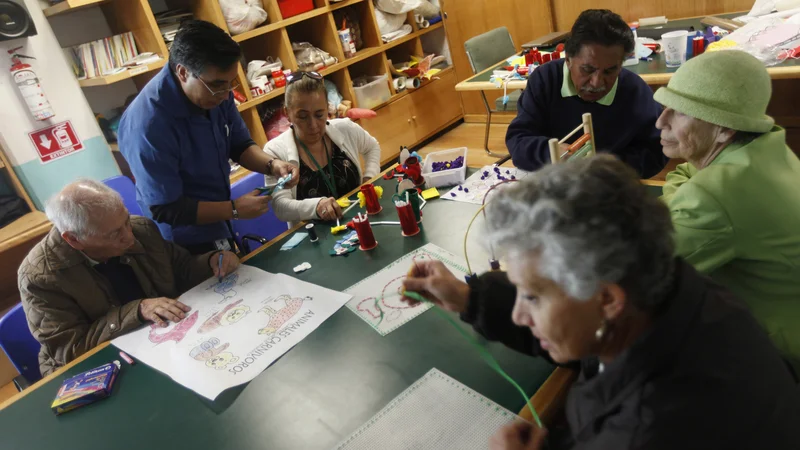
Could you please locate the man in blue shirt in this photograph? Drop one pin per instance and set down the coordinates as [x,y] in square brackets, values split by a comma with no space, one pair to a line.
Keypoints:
[178,134]
[590,80]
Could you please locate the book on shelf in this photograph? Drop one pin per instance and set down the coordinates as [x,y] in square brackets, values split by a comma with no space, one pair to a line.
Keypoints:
[106,56]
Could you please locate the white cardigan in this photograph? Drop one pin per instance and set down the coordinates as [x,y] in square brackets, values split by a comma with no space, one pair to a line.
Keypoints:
[349,137]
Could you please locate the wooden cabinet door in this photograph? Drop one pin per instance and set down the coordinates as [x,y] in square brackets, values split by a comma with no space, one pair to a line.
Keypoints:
[392,128]
[434,105]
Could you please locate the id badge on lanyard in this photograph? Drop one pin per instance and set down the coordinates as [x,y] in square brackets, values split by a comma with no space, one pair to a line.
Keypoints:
[222,244]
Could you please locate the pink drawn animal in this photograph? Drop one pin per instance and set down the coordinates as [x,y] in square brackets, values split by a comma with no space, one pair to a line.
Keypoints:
[278,318]
[230,314]
[175,334]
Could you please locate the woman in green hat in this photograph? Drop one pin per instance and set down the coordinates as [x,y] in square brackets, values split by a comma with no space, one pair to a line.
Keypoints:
[735,204]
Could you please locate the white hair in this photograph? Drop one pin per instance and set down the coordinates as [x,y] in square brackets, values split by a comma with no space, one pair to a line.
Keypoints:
[588,221]
[73,209]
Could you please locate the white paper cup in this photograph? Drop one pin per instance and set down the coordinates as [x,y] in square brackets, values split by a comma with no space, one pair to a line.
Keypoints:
[674,47]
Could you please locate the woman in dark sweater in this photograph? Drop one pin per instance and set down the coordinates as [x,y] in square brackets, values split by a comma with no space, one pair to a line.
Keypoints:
[668,359]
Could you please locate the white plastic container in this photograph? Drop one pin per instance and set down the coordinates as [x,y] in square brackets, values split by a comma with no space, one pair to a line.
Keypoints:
[374,93]
[449,177]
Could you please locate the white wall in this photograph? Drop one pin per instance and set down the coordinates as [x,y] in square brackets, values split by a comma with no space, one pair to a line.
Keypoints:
[69,103]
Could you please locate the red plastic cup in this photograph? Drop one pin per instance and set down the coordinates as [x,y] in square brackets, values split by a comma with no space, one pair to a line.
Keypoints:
[408,222]
[371,199]
[366,239]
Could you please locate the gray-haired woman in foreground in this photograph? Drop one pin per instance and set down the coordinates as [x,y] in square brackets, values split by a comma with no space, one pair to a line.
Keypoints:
[668,359]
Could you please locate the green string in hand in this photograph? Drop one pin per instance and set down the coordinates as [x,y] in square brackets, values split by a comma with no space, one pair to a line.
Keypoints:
[481,349]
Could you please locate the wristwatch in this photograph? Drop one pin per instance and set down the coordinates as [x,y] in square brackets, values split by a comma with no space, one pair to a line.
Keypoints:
[269,166]
[235,212]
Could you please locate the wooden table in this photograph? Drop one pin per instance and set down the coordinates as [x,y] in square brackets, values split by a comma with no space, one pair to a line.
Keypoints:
[654,73]
[313,396]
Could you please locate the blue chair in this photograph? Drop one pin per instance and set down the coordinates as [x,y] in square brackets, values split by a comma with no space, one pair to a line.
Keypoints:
[20,346]
[259,230]
[127,190]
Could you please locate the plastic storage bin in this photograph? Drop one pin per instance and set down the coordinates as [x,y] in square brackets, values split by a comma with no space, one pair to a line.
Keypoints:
[449,177]
[374,93]
[291,8]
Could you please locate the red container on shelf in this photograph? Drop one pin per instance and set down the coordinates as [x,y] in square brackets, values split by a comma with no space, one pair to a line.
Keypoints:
[291,8]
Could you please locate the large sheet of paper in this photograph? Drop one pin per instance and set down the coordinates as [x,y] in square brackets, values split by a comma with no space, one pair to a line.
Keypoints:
[475,188]
[376,299]
[434,413]
[235,330]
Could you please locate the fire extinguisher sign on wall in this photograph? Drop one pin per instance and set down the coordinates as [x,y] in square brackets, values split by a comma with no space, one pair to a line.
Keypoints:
[56,141]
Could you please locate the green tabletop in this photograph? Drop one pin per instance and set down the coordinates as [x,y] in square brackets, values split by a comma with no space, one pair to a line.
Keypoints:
[316,394]
[658,64]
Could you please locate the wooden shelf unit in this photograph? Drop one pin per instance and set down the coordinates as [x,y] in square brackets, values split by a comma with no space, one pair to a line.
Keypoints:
[274,39]
[130,73]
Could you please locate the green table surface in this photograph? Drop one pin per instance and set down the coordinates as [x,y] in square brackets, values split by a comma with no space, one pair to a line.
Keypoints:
[318,393]
[658,64]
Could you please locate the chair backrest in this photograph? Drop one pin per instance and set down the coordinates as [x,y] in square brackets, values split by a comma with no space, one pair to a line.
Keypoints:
[19,344]
[485,50]
[127,190]
[267,226]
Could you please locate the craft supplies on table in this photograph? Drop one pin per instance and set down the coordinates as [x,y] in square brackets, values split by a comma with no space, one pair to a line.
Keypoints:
[447,175]
[474,188]
[85,388]
[435,412]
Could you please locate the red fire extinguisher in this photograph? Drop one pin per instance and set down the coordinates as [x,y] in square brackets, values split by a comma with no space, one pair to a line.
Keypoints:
[28,84]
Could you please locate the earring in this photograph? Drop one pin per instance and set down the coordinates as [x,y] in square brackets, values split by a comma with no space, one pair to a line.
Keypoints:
[327,122]
[601,332]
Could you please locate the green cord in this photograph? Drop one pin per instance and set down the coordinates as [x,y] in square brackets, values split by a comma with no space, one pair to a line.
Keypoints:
[481,349]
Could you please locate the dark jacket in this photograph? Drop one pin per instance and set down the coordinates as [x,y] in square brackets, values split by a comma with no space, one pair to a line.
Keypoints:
[704,376]
[625,128]
[71,308]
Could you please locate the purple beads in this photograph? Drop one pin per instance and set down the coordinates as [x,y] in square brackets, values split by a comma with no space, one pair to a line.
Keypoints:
[447,165]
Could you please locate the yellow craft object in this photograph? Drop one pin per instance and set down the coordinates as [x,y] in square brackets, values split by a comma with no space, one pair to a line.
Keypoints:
[428,194]
[430,74]
[721,45]
[517,61]
[343,202]
[339,229]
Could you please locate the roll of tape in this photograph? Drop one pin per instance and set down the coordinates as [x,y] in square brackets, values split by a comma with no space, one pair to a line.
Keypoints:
[418,18]
[424,24]
[399,84]
[414,83]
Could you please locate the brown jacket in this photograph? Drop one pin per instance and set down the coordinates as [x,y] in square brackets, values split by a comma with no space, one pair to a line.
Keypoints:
[71,308]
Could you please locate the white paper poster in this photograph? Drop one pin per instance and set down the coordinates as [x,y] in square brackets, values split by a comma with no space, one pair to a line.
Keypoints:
[377,299]
[475,188]
[235,330]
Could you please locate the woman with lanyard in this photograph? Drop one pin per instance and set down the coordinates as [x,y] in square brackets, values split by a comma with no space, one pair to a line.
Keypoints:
[327,152]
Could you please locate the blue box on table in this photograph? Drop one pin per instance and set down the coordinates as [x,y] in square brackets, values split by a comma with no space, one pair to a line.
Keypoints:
[85,388]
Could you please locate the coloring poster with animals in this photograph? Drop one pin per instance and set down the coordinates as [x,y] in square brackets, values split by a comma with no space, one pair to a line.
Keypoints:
[235,330]
[377,299]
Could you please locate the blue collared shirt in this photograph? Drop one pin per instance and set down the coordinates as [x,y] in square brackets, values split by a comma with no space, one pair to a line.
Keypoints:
[178,150]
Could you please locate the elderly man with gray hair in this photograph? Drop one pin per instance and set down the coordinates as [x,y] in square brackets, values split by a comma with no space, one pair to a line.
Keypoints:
[101,272]
[668,359]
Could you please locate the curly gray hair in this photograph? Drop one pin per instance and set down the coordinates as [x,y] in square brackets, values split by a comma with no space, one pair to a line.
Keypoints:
[589,221]
[72,209]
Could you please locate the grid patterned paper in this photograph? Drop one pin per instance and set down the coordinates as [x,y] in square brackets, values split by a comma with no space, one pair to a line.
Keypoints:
[437,412]
[378,293]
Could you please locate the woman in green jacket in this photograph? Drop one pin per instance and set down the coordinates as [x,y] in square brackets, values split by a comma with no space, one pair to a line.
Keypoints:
[735,204]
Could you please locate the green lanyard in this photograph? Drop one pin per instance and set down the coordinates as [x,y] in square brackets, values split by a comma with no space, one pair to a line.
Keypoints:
[328,179]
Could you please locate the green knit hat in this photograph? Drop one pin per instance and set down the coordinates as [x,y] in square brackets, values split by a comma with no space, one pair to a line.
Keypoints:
[729,88]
